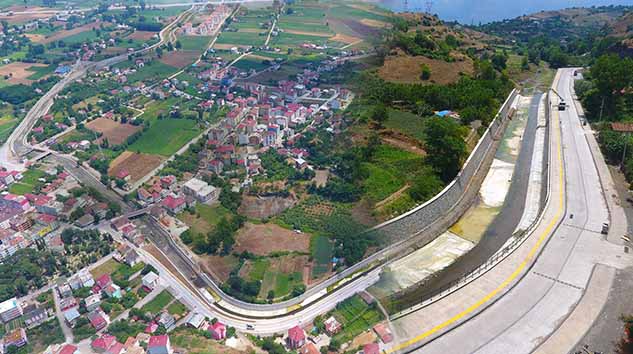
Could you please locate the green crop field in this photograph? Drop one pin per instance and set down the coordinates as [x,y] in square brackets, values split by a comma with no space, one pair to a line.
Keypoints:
[81,37]
[40,71]
[406,123]
[198,43]
[293,40]
[28,182]
[356,317]
[321,251]
[204,219]
[259,268]
[177,308]
[248,63]
[166,136]
[155,108]
[347,12]
[241,38]
[154,70]
[158,303]
[388,171]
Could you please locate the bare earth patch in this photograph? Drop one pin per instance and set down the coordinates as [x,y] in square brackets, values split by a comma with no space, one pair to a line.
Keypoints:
[343,38]
[218,266]
[407,69]
[374,23]
[264,207]
[228,46]
[179,58]
[22,18]
[116,133]
[263,239]
[18,72]
[35,38]
[137,165]
[306,33]
[141,35]
[67,33]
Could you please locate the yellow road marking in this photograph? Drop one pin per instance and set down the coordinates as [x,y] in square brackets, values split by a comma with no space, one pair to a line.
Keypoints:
[516,272]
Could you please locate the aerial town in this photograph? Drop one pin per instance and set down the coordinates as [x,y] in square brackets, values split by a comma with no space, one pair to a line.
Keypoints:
[307,176]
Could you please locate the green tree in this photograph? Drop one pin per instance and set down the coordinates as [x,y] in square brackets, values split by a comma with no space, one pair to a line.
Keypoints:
[379,114]
[445,146]
[426,72]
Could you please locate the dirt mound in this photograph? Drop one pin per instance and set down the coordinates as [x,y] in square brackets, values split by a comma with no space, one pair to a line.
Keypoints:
[265,207]
[407,69]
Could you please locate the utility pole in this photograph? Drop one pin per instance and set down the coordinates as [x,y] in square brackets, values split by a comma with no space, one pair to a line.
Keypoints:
[429,6]
[601,108]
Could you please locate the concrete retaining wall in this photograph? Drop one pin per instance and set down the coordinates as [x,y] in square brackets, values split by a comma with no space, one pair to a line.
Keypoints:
[421,217]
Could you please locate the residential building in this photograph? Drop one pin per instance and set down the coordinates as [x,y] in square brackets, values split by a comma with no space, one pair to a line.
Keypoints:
[98,320]
[92,302]
[195,320]
[150,280]
[68,349]
[383,332]
[167,320]
[103,343]
[71,316]
[16,338]
[371,348]
[68,303]
[173,204]
[217,330]
[309,348]
[34,315]
[201,190]
[159,345]
[332,326]
[10,310]
[296,337]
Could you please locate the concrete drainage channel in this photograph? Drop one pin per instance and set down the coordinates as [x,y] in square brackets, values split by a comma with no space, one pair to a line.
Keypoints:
[531,216]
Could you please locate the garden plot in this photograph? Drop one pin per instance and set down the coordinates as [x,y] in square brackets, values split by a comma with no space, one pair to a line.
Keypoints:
[19,73]
[264,239]
[116,133]
[137,165]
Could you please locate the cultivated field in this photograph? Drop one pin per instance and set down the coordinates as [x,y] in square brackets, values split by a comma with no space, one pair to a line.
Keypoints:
[264,239]
[138,165]
[179,59]
[116,133]
[19,73]
[166,136]
[141,35]
[62,35]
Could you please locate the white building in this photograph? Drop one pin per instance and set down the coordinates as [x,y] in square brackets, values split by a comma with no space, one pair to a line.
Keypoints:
[10,310]
[201,190]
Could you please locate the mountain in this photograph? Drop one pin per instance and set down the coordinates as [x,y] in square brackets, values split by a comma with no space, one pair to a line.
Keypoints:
[564,25]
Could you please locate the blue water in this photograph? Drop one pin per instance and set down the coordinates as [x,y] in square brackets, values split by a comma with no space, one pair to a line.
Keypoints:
[476,11]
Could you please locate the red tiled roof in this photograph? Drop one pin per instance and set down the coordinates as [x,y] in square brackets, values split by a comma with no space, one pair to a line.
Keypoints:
[68,349]
[158,341]
[296,334]
[104,342]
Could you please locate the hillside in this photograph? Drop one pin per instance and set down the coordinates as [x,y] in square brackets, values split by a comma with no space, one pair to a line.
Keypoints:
[422,48]
[563,25]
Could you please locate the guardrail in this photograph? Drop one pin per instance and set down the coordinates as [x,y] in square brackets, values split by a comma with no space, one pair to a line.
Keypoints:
[517,240]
